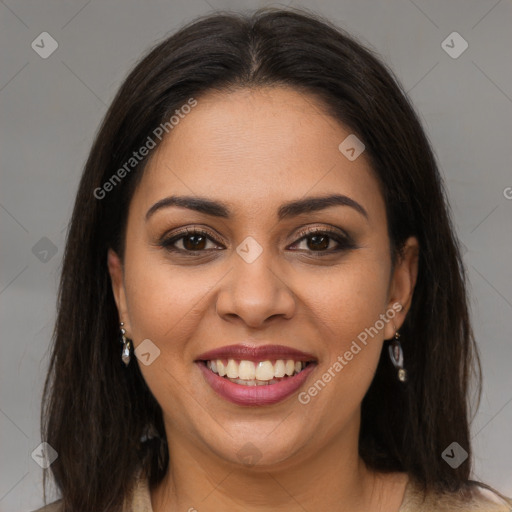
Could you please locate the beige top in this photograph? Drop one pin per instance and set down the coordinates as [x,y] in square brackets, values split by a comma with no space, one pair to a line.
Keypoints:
[482,499]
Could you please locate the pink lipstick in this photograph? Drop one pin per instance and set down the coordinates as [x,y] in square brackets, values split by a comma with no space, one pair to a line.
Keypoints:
[271,373]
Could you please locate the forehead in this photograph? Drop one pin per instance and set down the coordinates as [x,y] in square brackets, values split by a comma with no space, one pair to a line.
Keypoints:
[255,149]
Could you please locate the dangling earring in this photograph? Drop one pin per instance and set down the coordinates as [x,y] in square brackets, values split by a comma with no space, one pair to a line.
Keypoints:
[396,354]
[125,353]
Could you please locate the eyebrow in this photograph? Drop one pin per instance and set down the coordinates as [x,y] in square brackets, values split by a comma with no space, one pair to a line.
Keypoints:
[286,210]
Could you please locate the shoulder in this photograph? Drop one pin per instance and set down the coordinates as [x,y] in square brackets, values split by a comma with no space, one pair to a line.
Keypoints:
[138,499]
[56,506]
[473,497]
[487,497]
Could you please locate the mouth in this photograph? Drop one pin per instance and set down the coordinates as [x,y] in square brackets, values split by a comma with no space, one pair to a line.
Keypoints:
[262,375]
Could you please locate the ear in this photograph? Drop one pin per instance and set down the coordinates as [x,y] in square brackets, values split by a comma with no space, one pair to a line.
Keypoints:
[115,269]
[402,285]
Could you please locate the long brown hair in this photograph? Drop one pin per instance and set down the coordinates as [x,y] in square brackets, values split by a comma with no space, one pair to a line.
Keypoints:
[95,410]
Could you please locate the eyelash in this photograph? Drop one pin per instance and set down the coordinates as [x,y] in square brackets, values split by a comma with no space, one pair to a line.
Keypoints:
[344,242]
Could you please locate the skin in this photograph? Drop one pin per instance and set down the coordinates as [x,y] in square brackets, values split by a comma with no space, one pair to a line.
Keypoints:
[255,149]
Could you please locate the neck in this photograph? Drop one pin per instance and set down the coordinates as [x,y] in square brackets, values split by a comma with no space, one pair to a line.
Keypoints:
[334,478]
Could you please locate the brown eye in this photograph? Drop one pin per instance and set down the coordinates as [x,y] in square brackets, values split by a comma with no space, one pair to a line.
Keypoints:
[320,241]
[192,240]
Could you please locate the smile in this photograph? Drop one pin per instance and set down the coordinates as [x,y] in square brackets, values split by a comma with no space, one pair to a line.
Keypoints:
[261,373]
[250,375]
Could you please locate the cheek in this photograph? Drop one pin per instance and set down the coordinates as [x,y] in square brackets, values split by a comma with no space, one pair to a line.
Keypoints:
[165,306]
[164,301]
[347,307]
[350,299]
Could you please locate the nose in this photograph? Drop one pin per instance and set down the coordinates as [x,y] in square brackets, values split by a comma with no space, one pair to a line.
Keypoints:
[255,293]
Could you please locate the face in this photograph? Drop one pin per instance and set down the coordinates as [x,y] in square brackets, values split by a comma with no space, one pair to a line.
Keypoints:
[255,274]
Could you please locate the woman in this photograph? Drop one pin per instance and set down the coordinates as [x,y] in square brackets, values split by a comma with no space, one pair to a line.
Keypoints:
[262,224]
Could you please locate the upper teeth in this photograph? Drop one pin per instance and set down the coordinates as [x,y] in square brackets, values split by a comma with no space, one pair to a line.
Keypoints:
[248,370]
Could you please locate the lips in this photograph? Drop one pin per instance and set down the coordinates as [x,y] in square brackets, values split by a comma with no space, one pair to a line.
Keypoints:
[274,390]
[255,354]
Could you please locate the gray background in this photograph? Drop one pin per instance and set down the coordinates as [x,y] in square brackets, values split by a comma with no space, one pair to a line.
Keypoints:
[51,109]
